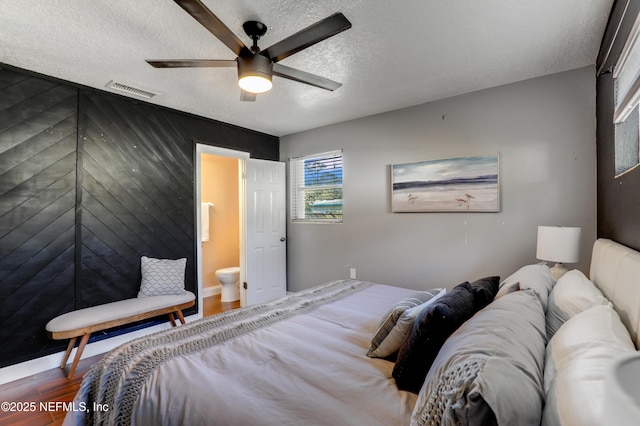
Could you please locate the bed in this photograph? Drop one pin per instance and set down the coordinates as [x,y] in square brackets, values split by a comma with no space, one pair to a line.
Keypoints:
[352,353]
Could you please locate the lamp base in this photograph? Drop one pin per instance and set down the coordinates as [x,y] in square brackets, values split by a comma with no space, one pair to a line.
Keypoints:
[558,270]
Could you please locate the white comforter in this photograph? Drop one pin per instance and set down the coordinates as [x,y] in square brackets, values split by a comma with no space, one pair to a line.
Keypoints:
[305,368]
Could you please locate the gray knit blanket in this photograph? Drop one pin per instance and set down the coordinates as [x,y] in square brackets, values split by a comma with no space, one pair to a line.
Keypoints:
[117,379]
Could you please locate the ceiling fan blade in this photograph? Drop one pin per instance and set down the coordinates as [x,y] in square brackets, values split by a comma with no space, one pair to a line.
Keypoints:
[247,97]
[305,77]
[192,63]
[211,22]
[309,36]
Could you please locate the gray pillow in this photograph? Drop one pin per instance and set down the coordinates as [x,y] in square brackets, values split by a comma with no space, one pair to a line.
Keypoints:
[536,277]
[397,321]
[162,277]
[490,370]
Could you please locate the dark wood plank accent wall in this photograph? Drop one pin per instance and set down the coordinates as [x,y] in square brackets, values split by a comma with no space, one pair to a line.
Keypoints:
[37,209]
[90,182]
[618,199]
[137,197]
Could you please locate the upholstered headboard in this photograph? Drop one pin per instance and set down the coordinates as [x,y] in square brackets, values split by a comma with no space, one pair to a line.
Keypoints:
[615,269]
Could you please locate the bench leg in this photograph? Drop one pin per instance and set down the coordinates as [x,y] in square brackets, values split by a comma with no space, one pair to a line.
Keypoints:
[172,319]
[81,346]
[72,343]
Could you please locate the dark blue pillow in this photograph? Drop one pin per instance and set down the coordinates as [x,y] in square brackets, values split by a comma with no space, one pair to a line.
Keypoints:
[430,330]
[433,327]
[485,290]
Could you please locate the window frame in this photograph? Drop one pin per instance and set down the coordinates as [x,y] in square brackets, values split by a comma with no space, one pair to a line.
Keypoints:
[626,102]
[631,95]
[297,188]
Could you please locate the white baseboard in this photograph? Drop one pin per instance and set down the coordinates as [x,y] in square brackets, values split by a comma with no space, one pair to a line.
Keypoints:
[212,290]
[38,365]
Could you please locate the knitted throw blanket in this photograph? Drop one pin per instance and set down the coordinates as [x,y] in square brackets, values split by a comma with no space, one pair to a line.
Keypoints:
[449,393]
[117,379]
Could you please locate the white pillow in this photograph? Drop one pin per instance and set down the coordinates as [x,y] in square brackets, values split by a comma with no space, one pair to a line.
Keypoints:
[397,322]
[162,277]
[572,294]
[536,277]
[577,361]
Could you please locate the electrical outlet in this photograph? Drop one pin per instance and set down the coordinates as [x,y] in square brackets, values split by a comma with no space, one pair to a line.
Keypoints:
[352,273]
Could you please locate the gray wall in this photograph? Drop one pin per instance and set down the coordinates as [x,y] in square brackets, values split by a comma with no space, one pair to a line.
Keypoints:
[544,130]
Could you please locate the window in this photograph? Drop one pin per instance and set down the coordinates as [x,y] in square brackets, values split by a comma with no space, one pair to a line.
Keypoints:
[316,188]
[627,97]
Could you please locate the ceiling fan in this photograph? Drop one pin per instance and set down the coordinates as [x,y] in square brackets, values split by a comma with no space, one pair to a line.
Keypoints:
[255,66]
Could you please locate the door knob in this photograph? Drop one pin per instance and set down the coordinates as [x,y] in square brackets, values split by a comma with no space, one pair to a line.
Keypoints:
[283,239]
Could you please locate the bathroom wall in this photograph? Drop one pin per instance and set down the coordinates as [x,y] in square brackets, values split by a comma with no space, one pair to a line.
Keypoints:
[220,187]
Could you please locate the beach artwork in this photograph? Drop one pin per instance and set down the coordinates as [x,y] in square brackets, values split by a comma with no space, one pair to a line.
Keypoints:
[464,184]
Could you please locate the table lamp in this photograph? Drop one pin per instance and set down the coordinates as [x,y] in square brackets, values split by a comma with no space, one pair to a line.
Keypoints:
[560,244]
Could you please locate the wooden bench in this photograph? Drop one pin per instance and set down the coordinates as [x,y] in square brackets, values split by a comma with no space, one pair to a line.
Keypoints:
[85,321]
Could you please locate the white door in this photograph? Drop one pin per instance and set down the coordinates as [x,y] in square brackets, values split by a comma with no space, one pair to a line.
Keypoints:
[266,258]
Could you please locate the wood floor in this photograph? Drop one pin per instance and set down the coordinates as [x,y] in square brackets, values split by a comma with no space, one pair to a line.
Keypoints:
[47,392]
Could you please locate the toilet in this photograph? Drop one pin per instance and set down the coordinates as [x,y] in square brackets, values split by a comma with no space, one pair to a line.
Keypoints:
[230,280]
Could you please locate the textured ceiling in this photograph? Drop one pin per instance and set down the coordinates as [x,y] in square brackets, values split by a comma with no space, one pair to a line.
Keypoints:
[397,54]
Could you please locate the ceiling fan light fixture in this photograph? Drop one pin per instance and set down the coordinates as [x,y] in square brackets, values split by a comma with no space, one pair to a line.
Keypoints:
[254,74]
[255,83]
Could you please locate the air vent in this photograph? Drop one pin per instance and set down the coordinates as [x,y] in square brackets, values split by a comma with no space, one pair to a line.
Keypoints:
[130,90]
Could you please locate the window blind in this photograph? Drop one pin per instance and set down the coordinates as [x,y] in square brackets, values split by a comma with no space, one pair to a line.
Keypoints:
[626,80]
[316,187]
[627,76]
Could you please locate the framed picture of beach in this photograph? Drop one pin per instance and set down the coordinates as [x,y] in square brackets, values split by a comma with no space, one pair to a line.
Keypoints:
[462,184]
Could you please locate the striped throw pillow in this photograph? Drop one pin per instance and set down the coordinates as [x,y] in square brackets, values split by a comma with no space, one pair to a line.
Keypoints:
[396,323]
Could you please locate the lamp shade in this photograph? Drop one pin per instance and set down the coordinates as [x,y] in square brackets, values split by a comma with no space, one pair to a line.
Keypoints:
[558,244]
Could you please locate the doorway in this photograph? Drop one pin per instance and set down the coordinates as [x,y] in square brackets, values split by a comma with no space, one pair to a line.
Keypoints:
[219,202]
[252,190]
